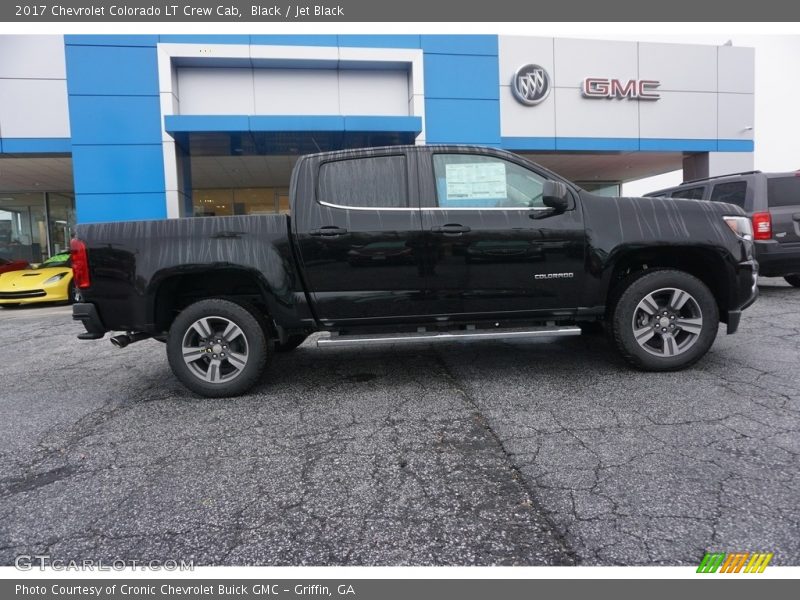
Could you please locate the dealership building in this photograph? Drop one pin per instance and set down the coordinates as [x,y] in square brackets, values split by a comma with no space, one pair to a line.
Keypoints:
[122,127]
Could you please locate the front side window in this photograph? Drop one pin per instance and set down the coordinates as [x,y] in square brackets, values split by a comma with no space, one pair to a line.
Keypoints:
[374,182]
[473,181]
[733,192]
[695,193]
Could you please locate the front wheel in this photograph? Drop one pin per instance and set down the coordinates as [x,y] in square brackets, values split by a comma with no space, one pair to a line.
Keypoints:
[217,348]
[665,320]
[793,279]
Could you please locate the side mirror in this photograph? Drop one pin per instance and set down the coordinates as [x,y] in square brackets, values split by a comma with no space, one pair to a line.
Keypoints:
[555,195]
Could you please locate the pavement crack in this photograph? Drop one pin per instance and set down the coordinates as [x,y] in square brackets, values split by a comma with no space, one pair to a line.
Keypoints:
[569,556]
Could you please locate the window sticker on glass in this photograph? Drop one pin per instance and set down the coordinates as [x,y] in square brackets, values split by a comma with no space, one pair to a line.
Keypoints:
[475,181]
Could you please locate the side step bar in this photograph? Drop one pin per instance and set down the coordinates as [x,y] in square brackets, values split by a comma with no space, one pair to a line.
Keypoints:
[425,337]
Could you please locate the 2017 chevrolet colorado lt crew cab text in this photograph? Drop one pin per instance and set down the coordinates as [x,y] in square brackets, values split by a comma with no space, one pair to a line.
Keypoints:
[418,243]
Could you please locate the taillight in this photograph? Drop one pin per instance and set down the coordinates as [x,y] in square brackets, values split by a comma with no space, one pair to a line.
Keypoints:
[80,263]
[762,226]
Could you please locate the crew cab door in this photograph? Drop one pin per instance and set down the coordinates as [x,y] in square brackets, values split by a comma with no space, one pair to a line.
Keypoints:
[357,229]
[496,248]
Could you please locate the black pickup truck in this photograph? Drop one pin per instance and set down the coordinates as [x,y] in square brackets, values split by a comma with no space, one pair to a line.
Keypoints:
[418,244]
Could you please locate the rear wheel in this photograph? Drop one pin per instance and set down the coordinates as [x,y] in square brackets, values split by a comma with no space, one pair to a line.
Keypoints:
[665,320]
[291,343]
[793,279]
[217,348]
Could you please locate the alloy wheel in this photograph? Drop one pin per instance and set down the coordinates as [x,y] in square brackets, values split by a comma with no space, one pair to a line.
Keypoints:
[667,322]
[215,349]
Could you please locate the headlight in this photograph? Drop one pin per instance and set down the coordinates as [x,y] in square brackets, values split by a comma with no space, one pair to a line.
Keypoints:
[55,278]
[741,226]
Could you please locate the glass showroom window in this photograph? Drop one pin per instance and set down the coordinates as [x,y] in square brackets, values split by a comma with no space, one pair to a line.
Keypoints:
[221,202]
[61,220]
[36,225]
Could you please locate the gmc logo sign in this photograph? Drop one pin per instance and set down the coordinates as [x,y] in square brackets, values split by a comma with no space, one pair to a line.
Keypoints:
[633,89]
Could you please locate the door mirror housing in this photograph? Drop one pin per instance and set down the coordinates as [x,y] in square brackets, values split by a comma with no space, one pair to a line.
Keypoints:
[555,195]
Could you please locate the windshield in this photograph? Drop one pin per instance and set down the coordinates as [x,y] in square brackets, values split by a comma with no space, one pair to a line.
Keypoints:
[57,260]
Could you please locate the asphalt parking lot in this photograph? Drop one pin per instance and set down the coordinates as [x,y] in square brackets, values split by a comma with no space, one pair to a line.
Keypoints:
[529,453]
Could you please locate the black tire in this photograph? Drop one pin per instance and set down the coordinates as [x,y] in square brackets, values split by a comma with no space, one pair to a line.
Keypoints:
[793,279]
[9,305]
[250,343]
[293,342]
[679,349]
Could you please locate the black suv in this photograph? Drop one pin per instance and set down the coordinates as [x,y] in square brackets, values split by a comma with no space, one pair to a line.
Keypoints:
[771,200]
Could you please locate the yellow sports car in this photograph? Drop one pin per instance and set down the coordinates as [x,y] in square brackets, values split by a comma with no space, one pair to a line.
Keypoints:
[50,281]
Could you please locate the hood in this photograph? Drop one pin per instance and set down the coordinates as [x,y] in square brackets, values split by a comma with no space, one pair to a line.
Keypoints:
[690,204]
[27,279]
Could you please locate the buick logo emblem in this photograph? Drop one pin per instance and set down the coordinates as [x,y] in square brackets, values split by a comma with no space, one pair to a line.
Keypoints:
[531,84]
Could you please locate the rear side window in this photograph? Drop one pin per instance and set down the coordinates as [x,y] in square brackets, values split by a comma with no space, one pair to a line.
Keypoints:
[374,182]
[695,193]
[783,191]
[733,192]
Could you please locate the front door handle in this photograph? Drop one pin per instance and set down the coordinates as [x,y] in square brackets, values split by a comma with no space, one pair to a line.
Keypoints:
[451,229]
[327,231]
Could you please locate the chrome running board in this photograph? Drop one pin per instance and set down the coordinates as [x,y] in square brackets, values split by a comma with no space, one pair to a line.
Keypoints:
[425,337]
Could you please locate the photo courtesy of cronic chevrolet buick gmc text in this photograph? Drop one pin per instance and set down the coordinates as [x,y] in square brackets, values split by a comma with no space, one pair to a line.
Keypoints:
[771,200]
[418,244]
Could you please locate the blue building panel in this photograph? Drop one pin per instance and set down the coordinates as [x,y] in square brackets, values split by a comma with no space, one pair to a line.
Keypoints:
[470,77]
[294,40]
[735,145]
[462,121]
[109,169]
[35,145]
[276,123]
[111,40]
[460,44]
[204,39]
[297,123]
[387,124]
[115,119]
[97,208]
[528,143]
[111,70]
[206,123]
[599,144]
[379,41]
[677,145]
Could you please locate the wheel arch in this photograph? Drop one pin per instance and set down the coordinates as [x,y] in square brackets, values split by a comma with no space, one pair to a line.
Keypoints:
[702,262]
[172,291]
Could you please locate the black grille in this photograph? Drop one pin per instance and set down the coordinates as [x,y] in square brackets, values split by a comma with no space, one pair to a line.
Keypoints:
[18,295]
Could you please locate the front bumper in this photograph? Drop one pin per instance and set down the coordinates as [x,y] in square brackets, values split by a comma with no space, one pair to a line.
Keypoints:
[33,296]
[86,313]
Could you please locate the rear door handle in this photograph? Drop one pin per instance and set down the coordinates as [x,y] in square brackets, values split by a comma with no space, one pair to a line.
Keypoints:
[327,231]
[451,229]
[796,217]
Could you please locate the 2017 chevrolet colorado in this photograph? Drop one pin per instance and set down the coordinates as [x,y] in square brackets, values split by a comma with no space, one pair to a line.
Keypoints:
[418,243]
